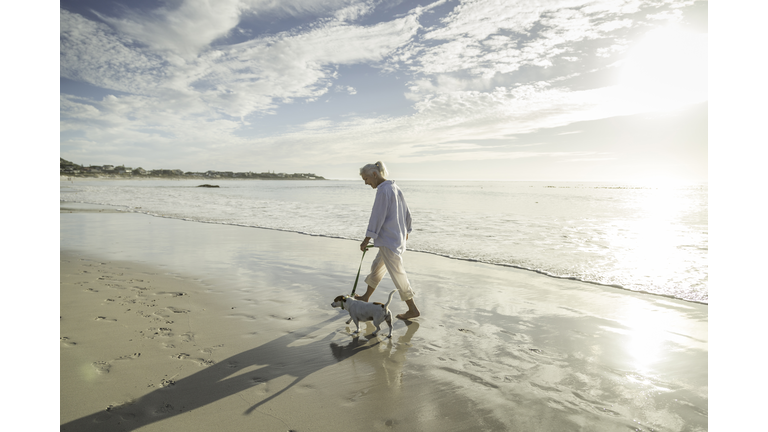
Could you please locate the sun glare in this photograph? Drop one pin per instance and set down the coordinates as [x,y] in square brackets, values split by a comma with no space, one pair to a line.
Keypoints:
[666,69]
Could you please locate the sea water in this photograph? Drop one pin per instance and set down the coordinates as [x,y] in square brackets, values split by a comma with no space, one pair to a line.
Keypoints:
[651,238]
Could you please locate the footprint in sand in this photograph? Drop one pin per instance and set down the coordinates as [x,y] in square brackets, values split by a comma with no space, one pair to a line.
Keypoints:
[199,361]
[172,294]
[101,367]
[167,408]
[154,332]
[211,349]
[101,318]
[163,331]
[129,357]
[65,340]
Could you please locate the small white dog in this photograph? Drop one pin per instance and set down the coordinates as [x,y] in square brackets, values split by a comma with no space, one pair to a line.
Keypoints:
[364,311]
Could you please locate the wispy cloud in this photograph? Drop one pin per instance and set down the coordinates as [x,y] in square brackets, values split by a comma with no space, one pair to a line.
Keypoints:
[241,79]
[183,28]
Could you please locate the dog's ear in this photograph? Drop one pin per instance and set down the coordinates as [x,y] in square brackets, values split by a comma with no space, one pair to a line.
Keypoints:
[339,298]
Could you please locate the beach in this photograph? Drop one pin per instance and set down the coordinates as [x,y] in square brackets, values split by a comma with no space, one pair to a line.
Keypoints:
[169,324]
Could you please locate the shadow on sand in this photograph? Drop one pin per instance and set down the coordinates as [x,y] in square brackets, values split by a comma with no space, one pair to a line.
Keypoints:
[275,358]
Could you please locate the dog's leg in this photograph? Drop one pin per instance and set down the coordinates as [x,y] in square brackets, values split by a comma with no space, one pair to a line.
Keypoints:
[349,320]
[357,325]
[389,323]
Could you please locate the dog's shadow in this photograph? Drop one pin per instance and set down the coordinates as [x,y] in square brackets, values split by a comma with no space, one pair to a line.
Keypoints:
[277,358]
[390,358]
[343,352]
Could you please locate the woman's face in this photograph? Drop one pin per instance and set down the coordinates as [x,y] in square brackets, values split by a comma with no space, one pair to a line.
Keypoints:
[371,180]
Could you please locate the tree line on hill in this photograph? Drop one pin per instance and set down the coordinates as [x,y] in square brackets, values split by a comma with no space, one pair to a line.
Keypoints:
[71,169]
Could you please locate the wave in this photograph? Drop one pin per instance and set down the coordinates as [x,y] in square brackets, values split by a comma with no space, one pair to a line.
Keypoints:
[424,251]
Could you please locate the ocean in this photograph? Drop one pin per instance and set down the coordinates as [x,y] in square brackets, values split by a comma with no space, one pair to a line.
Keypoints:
[648,238]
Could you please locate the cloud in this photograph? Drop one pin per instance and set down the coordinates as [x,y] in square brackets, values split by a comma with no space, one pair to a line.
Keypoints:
[256,75]
[443,128]
[345,89]
[484,38]
[339,9]
[184,29]
[188,27]
[91,52]
[236,80]
[354,11]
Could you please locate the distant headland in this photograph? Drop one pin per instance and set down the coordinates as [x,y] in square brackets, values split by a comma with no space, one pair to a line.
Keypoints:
[71,169]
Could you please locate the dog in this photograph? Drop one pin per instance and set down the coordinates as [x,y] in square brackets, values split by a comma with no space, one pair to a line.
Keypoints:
[364,311]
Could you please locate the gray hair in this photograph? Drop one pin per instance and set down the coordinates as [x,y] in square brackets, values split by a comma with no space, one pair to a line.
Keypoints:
[378,167]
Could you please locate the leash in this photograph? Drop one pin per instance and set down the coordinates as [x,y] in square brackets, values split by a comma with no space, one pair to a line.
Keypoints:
[354,288]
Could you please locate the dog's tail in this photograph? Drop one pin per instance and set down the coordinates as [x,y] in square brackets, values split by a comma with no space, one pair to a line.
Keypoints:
[389,300]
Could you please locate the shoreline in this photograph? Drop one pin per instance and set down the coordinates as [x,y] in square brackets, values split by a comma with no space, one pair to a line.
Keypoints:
[497,348]
[71,206]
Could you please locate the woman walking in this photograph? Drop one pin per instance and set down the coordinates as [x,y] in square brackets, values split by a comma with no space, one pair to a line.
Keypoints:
[389,226]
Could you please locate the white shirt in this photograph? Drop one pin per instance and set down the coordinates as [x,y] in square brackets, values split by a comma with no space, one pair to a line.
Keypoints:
[390,218]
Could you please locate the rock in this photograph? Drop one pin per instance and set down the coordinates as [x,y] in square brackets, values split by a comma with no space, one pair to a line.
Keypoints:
[208,185]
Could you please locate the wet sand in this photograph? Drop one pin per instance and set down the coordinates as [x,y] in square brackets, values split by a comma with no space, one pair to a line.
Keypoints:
[175,325]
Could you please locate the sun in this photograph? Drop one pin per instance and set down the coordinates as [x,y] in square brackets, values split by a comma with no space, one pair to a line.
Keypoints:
[666,69]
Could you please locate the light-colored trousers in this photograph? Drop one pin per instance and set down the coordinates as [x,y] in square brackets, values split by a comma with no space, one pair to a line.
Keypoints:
[387,261]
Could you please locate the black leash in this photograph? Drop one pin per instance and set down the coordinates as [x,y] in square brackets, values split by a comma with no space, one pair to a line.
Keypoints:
[354,288]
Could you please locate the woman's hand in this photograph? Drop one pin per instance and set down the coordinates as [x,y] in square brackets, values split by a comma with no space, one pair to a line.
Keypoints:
[364,244]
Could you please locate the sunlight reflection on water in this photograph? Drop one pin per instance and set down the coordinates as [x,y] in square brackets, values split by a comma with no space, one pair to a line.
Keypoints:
[650,239]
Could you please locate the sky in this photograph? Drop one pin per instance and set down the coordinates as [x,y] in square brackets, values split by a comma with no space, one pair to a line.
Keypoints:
[555,90]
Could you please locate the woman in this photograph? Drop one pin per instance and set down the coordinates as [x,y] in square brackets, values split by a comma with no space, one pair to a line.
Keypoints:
[389,226]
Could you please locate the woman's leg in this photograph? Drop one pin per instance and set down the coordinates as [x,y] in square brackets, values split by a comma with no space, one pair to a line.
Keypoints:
[374,278]
[413,311]
[396,270]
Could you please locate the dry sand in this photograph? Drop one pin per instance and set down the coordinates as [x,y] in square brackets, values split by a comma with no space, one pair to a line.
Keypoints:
[173,325]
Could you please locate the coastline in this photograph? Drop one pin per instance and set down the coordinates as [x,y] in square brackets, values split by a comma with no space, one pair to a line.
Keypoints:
[255,341]
[615,249]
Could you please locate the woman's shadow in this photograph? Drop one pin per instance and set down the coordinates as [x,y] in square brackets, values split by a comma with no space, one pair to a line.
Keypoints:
[276,358]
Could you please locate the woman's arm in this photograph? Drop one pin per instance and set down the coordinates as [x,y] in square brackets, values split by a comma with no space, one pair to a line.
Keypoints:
[378,214]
